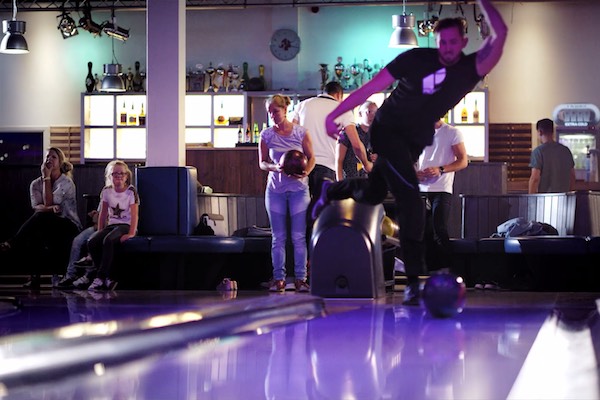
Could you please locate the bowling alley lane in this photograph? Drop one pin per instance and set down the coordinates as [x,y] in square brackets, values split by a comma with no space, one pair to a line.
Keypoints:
[256,345]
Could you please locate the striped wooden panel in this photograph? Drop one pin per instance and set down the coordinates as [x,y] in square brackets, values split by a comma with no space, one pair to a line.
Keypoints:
[481,215]
[68,139]
[511,143]
[238,211]
[587,214]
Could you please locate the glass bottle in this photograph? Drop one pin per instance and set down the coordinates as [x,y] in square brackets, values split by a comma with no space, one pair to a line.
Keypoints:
[248,134]
[475,114]
[256,135]
[123,115]
[240,134]
[137,78]
[464,114]
[142,116]
[132,117]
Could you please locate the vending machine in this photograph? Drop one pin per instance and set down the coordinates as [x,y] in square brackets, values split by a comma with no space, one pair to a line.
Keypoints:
[577,128]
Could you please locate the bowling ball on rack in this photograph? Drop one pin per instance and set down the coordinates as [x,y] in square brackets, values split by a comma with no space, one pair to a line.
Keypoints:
[293,162]
[444,294]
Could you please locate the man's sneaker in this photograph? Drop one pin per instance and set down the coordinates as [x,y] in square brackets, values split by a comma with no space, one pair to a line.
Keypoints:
[97,284]
[277,285]
[412,295]
[65,283]
[301,286]
[322,201]
[110,285]
[82,283]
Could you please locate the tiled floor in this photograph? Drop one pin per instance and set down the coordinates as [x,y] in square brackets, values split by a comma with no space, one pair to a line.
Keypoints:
[256,345]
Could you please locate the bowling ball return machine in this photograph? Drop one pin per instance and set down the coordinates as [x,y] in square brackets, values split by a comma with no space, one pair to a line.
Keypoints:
[346,251]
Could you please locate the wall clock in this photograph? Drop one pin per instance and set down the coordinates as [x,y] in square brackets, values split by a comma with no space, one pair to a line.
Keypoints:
[285,44]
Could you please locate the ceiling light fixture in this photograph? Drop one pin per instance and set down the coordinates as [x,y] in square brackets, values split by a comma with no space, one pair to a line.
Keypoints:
[113,76]
[87,23]
[404,35]
[113,30]
[13,41]
[427,25]
[67,26]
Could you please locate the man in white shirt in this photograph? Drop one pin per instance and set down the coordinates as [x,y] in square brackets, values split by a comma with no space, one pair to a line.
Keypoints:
[311,114]
[435,170]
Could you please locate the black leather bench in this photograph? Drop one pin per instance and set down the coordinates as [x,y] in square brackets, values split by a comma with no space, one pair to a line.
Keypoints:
[193,262]
[544,245]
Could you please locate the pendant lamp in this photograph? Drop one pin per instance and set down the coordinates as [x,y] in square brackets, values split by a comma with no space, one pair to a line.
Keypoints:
[13,41]
[113,76]
[404,35]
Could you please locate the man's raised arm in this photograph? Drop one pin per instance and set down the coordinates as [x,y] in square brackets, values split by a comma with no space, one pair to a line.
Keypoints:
[380,82]
[491,50]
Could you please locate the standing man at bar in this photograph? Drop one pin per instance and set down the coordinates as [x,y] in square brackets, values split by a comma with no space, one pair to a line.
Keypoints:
[552,165]
[430,82]
[311,114]
[435,170]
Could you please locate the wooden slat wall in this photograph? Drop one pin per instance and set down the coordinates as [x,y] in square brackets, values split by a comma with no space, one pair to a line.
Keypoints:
[511,143]
[239,211]
[68,139]
[229,170]
[483,214]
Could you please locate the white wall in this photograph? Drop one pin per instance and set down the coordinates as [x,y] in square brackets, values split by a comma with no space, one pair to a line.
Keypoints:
[551,56]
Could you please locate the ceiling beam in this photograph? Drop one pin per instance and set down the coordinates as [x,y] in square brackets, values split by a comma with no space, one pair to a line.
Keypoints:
[137,5]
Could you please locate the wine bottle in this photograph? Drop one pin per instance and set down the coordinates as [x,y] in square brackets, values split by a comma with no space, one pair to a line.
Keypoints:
[137,78]
[142,117]
[132,117]
[248,134]
[245,77]
[123,115]
[90,83]
[261,76]
[475,114]
[464,114]
[256,135]
[240,134]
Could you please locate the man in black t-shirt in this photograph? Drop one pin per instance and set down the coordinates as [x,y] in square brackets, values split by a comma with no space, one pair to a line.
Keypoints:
[430,82]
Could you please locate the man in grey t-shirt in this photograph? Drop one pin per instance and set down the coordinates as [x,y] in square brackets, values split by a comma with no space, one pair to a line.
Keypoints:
[552,165]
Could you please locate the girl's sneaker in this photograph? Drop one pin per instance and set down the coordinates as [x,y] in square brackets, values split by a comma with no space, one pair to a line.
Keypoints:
[97,284]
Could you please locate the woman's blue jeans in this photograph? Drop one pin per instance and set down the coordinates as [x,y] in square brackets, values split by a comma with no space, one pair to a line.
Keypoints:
[277,205]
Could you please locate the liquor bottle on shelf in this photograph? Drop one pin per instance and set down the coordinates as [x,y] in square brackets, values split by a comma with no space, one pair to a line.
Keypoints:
[132,119]
[240,134]
[221,120]
[248,138]
[142,117]
[475,114]
[245,77]
[464,114]
[123,115]
[256,135]
[137,78]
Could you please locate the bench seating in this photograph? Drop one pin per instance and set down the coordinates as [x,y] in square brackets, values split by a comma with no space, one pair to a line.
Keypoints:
[177,262]
[184,244]
[574,214]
